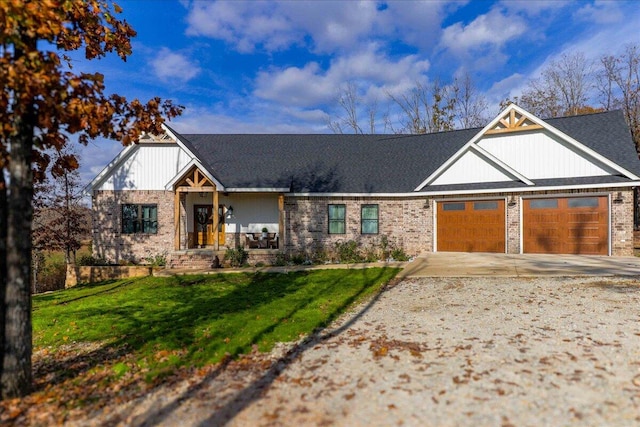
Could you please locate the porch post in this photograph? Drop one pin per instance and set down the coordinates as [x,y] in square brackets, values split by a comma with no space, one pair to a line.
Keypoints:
[281,219]
[216,219]
[176,219]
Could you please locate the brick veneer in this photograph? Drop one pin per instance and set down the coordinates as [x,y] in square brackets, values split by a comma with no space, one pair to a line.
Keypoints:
[406,222]
[109,242]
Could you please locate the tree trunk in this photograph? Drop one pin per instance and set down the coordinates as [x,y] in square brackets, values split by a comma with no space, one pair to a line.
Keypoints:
[16,373]
[16,378]
[3,262]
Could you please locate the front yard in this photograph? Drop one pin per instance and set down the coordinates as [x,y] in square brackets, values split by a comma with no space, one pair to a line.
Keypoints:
[109,342]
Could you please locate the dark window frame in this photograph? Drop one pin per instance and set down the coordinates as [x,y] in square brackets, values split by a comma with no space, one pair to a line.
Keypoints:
[337,221]
[375,220]
[138,223]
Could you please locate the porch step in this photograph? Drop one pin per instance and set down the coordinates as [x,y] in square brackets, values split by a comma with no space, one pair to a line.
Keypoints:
[196,259]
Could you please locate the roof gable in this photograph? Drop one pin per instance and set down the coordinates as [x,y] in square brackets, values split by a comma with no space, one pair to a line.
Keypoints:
[470,159]
[530,148]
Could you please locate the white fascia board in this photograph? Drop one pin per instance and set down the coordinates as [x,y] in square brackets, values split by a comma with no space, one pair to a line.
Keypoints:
[106,171]
[194,162]
[575,143]
[257,190]
[177,140]
[478,191]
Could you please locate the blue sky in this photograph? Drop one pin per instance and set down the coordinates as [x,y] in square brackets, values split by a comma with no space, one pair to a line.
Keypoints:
[278,67]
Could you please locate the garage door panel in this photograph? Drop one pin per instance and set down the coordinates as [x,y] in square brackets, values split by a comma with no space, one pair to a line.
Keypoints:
[473,226]
[569,225]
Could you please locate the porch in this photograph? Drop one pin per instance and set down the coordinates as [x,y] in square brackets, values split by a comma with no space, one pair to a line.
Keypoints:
[209,219]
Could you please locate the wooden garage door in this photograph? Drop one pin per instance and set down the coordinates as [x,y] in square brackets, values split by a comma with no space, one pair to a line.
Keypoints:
[472,226]
[566,225]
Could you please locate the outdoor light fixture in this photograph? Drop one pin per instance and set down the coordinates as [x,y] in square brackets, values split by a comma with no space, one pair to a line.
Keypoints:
[512,201]
[427,205]
[619,198]
[230,212]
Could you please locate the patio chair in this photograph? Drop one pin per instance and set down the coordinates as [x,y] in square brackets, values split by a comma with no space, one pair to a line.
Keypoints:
[251,241]
[272,241]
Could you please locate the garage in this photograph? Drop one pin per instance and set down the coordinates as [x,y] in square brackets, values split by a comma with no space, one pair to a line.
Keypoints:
[566,225]
[471,226]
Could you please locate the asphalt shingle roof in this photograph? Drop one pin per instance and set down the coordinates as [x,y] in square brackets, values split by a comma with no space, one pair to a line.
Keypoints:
[322,163]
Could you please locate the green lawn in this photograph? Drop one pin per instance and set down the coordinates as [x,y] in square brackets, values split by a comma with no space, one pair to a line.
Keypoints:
[166,323]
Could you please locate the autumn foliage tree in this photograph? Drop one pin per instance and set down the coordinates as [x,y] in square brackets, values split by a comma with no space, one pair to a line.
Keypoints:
[42,102]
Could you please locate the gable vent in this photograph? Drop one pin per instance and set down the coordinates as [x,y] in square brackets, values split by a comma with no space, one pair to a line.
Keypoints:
[513,121]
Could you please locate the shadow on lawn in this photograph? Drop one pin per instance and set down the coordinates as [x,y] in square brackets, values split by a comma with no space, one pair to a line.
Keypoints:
[143,322]
[246,396]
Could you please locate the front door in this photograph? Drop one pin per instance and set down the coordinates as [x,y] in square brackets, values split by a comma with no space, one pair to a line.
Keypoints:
[203,220]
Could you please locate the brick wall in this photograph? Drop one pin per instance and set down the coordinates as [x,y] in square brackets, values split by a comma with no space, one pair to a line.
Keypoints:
[622,222]
[109,242]
[409,224]
[405,222]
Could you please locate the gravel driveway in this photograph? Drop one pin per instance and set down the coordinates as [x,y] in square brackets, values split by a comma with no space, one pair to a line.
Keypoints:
[435,351]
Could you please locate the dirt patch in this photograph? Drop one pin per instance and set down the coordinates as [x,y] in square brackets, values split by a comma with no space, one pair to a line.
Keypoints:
[473,351]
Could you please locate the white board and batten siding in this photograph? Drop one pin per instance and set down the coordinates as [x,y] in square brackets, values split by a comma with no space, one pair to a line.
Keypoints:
[540,155]
[148,167]
[471,167]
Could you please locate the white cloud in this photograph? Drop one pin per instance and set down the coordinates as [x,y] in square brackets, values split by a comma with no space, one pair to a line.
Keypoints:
[168,65]
[311,86]
[601,12]
[262,120]
[243,24]
[322,26]
[489,32]
[534,8]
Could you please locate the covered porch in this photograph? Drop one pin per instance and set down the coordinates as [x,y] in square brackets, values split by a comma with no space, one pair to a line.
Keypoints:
[207,218]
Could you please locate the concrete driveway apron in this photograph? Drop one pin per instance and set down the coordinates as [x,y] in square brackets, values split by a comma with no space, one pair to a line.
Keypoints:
[456,264]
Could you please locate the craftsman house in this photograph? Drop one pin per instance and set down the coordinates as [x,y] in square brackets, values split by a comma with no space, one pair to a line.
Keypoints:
[518,185]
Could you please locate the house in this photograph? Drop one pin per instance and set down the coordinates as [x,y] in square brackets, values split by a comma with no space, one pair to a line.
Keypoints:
[518,185]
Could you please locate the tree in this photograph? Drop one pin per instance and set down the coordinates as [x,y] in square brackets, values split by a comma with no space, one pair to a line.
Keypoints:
[562,89]
[426,109]
[619,87]
[470,106]
[351,104]
[42,101]
[60,221]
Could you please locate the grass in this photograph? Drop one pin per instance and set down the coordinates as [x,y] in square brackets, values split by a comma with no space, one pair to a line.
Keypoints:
[167,323]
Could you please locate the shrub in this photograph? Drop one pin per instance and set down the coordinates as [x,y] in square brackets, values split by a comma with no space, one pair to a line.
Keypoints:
[158,260]
[237,257]
[281,259]
[298,258]
[348,251]
[90,260]
[398,254]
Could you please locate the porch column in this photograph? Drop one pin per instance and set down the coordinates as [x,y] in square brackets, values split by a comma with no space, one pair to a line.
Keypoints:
[176,219]
[216,219]
[281,220]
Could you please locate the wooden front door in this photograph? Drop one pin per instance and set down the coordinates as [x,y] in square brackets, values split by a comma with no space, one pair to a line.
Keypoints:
[203,221]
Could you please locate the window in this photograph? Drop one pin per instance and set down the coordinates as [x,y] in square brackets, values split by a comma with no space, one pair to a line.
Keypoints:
[485,206]
[139,219]
[543,204]
[337,214]
[583,202]
[369,219]
[453,206]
